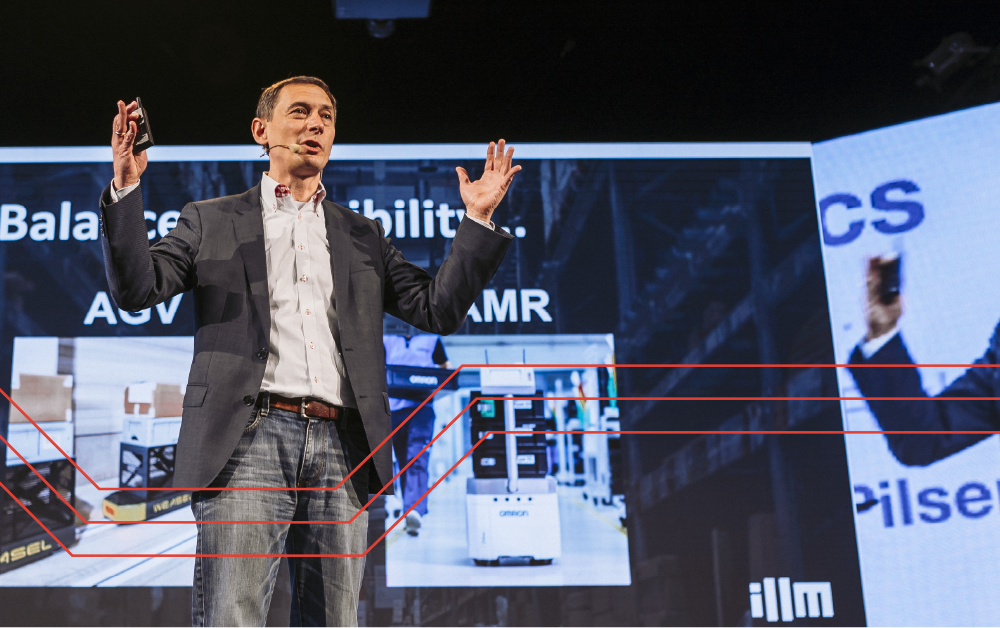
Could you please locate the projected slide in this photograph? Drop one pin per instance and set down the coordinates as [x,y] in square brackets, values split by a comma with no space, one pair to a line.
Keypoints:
[909,223]
[126,399]
[706,256]
[583,539]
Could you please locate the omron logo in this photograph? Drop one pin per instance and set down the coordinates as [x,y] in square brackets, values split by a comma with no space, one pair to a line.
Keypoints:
[427,380]
[808,598]
[513,513]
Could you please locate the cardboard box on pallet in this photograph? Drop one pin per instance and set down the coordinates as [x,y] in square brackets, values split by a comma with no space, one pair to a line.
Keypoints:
[44,398]
[152,399]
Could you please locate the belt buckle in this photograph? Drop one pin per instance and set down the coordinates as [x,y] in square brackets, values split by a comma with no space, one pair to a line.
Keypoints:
[302,407]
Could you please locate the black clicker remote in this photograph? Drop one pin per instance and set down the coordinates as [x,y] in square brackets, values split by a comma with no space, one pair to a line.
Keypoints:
[889,279]
[144,136]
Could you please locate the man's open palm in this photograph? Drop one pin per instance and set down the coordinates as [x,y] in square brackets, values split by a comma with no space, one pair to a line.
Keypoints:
[482,197]
[127,167]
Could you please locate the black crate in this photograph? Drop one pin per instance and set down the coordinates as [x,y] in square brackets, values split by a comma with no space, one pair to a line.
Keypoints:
[493,463]
[32,493]
[493,409]
[146,467]
[480,427]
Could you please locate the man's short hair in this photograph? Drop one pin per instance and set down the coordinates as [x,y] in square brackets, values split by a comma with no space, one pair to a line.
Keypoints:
[269,97]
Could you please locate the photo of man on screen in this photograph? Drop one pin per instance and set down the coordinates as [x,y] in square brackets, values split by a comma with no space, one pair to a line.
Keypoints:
[960,407]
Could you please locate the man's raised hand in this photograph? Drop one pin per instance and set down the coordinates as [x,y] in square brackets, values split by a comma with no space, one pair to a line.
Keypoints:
[482,197]
[128,167]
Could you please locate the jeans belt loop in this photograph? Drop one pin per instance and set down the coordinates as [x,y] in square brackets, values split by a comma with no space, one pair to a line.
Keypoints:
[265,404]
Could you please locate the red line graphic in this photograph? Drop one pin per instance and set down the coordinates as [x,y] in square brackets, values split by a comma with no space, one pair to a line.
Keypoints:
[485,437]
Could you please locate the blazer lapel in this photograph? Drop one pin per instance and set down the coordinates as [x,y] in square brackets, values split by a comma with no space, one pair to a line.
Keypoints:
[340,250]
[248,222]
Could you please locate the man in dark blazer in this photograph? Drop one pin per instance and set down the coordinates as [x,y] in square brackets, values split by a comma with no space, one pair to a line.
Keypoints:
[953,410]
[287,391]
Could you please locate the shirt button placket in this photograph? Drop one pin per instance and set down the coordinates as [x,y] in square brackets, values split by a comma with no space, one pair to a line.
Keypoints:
[306,297]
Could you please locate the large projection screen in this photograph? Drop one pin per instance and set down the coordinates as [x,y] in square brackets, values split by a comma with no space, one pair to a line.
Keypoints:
[923,192]
[624,254]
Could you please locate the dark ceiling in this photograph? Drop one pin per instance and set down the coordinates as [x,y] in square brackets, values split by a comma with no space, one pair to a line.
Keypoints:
[631,70]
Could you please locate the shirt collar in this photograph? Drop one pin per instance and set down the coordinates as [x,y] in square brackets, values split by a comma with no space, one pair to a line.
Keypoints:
[276,196]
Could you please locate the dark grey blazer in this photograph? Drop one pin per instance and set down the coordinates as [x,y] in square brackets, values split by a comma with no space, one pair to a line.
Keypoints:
[217,251]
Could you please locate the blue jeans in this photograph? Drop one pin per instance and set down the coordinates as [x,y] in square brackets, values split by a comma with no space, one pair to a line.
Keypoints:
[407,443]
[280,449]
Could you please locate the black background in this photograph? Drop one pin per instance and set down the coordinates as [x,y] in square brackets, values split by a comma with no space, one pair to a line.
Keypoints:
[567,70]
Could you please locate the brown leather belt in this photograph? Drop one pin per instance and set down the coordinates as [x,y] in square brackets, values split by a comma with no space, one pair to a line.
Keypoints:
[302,405]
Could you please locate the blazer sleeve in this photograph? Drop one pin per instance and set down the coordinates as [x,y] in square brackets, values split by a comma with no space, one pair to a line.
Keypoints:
[140,275]
[954,409]
[438,305]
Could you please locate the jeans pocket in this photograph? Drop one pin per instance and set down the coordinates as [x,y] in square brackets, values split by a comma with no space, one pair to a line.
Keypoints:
[255,418]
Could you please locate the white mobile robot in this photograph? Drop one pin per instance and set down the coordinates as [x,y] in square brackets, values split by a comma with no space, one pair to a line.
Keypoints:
[512,520]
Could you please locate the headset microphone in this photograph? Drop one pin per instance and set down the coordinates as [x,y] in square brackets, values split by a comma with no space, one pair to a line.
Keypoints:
[295,148]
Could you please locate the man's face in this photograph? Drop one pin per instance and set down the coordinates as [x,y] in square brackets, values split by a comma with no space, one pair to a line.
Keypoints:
[303,115]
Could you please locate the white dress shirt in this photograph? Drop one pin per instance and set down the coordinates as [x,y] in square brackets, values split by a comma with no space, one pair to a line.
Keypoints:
[871,347]
[304,348]
[304,351]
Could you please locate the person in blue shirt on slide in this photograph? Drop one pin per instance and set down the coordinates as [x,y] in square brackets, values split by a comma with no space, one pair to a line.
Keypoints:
[404,345]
